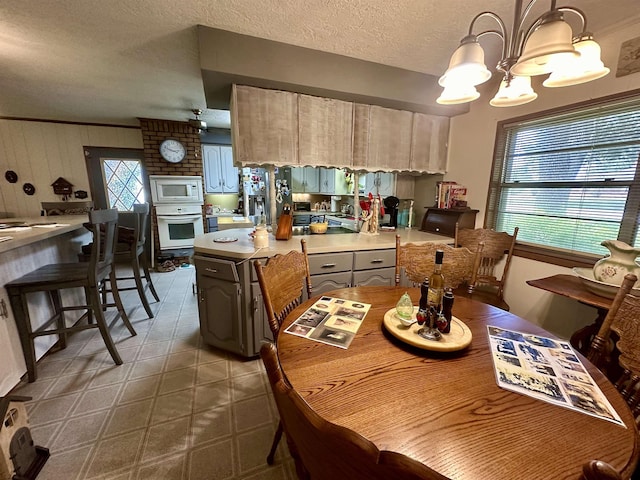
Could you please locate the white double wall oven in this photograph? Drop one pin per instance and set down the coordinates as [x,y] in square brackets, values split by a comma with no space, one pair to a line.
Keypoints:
[178,201]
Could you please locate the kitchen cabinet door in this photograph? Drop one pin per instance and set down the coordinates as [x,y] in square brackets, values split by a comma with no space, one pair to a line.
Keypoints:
[327,180]
[264,126]
[230,174]
[305,180]
[389,139]
[379,183]
[429,139]
[324,131]
[219,310]
[220,176]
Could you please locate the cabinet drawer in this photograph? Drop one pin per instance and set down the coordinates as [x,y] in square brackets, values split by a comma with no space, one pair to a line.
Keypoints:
[380,277]
[330,262]
[374,259]
[217,268]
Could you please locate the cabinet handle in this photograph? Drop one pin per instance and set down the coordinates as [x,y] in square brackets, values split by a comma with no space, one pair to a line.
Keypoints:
[3,309]
[212,270]
[201,294]
[377,260]
[328,265]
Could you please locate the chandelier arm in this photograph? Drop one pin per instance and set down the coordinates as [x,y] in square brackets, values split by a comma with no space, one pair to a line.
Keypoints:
[502,33]
[580,14]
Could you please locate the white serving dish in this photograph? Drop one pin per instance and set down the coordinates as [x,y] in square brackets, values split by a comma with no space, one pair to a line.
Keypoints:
[607,290]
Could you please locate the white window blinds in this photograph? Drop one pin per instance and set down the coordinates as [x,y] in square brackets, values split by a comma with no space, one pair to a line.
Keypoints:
[571,179]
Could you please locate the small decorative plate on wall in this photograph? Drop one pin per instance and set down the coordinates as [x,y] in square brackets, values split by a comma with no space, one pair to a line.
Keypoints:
[29,189]
[11,176]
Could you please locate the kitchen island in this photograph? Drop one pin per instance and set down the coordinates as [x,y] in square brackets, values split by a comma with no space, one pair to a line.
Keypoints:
[230,305]
[40,241]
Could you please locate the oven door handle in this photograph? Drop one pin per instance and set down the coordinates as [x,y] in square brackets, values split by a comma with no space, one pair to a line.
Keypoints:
[180,218]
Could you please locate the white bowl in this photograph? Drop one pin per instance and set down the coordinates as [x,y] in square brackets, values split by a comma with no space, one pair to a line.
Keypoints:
[607,290]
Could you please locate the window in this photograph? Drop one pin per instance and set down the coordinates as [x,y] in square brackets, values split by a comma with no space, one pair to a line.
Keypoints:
[123,183]
[569,179]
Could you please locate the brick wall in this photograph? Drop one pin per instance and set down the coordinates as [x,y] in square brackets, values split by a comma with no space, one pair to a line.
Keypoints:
[153,133]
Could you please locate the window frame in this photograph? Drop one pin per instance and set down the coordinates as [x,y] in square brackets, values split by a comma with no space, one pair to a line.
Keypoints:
[538,252]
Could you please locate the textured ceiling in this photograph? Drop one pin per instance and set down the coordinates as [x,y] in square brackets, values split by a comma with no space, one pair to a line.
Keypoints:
[112,61]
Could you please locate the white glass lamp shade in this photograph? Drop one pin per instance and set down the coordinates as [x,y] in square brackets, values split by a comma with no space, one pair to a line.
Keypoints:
[548,45]
[583,69]
[458,94]
[518,91]
[466,65]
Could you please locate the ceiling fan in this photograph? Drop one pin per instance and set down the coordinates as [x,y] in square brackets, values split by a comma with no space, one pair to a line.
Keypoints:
[199,125]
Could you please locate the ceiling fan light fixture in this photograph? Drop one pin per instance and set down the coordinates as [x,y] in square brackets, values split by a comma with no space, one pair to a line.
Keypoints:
[196,123]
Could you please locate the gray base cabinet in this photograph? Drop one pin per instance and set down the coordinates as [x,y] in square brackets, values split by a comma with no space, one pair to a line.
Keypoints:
[231,307]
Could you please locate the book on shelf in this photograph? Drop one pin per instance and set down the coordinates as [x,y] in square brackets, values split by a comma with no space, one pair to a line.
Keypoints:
[451,195]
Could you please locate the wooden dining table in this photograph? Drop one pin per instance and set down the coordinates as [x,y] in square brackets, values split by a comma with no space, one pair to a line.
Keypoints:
[445,409]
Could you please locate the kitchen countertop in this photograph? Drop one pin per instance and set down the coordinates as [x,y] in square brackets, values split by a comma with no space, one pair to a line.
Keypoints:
[22,237]
[243,247]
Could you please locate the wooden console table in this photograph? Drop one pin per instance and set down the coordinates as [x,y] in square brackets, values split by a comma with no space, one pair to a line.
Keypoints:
[572,287]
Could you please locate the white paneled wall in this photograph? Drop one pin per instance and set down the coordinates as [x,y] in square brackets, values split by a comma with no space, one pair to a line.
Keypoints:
[40,152]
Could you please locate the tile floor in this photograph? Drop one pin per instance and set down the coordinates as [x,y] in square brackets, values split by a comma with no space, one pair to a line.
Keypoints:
[177,409]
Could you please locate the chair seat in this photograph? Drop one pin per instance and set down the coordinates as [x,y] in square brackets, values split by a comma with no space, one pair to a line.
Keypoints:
[56,276]
[482,294]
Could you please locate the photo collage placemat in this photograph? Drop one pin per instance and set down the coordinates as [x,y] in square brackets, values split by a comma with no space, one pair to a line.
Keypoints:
[334,321]
[546,369]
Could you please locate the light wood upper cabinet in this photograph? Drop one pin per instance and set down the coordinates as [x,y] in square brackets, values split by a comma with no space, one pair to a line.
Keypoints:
[324,131]
[287,129]
[264,126]
[389,139]
[430,135]
[361,115]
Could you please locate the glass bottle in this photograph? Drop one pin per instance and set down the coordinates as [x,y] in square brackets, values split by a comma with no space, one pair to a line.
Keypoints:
[436,284]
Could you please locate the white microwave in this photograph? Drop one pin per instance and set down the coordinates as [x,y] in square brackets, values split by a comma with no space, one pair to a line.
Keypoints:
[176,189]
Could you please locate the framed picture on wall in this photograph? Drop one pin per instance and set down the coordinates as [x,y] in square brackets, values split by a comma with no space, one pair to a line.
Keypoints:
[629,60]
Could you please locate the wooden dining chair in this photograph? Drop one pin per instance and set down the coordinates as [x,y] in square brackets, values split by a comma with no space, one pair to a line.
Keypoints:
[417,261]
[615,349]
[597,470]
[281,281]
[325,450]
[134,252]
[486,285]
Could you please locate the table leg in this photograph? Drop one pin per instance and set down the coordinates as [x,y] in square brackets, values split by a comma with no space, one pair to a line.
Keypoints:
[581,339]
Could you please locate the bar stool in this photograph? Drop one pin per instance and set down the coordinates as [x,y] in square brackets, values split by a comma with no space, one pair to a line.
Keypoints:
[52,278]
[135,252]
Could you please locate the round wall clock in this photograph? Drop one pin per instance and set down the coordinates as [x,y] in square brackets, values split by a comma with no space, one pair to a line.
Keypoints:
[172,150]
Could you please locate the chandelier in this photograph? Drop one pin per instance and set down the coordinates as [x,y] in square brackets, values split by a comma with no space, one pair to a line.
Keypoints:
[546,46]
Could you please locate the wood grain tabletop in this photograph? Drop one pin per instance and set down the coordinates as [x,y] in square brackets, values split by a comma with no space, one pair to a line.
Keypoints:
[445,409]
